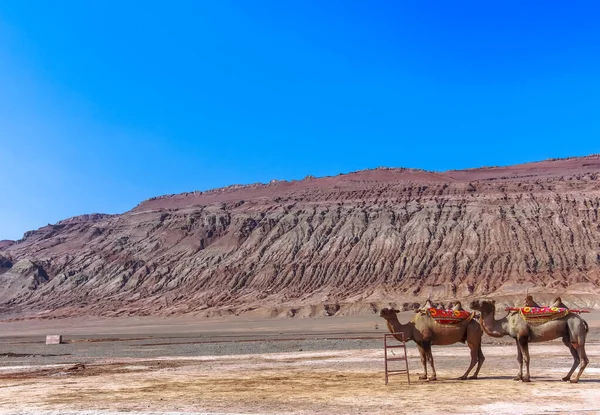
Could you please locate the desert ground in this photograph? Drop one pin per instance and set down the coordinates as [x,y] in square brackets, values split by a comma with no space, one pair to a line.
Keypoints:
[183,365]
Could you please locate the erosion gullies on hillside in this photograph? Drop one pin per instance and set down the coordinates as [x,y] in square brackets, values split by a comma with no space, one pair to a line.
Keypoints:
[343,244]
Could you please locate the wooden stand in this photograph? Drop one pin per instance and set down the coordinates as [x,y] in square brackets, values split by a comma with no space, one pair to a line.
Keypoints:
[386,346]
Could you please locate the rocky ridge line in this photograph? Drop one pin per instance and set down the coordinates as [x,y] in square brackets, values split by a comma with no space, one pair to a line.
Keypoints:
[323,246]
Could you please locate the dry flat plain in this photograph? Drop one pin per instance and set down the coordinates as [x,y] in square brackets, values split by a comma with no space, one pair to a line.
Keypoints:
[280,366]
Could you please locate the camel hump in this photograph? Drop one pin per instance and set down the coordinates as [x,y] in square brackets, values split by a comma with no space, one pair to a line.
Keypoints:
[529,302]
[457,306]
[558,303]
[427,306]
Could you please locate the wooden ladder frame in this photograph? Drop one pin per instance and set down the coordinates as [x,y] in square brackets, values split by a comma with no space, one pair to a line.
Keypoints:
[387,359]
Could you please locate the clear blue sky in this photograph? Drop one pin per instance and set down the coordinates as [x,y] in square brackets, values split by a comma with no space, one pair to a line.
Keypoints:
[106,103]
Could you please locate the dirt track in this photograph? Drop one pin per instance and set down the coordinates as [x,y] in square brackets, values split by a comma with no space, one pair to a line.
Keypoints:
[196,372]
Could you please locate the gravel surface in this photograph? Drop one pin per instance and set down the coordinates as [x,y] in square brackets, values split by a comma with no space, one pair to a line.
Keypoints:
[299,367]
[23,353]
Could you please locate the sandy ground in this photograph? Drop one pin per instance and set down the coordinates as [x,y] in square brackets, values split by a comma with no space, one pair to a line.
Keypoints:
[306,366]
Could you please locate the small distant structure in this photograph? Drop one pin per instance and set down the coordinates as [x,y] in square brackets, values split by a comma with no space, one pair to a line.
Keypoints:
[54,339]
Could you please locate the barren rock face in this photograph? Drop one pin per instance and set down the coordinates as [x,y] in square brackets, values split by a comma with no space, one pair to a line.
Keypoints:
[325,246]
[20,278]
[5,243]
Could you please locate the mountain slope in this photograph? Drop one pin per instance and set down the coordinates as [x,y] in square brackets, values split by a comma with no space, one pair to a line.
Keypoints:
[325,245]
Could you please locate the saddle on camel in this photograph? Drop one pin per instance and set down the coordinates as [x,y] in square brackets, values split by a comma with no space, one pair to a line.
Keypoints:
[451,317]
[535,314]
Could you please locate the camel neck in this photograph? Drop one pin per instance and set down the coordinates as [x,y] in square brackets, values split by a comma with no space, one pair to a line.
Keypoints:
[395,327]
[493,327]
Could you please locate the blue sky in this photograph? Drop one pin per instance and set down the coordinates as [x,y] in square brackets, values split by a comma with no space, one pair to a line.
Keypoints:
[105,104]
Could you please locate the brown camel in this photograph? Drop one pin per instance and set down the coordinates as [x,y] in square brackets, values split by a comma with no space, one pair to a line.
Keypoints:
[425,332]
[571,328]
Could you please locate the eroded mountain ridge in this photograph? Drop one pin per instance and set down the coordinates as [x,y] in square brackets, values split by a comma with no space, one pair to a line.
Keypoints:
[339,244]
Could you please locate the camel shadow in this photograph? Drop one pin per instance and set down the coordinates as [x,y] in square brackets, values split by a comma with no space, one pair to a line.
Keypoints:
[435,382]
[588,381]
[453,380]
[495,377]
[545,379]
[499,377]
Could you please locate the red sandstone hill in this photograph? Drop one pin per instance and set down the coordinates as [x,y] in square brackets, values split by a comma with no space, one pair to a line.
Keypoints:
[5,243]
[341,244]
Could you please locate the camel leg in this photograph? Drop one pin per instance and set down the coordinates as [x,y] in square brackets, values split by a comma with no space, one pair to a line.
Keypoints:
[480,360]
[524,343]
[423,362]
[575,355]
[520,360]
[473,360]
[583,358]
[430,359]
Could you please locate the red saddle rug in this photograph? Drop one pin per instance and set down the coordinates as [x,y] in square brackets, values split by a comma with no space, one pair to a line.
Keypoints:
[540,315]
[449,318]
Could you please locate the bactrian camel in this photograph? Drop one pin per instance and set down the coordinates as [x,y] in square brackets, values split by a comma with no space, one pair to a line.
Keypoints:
[571,328]
[425,332]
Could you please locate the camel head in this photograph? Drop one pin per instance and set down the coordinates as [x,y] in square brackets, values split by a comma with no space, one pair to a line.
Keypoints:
[388,313]
[395,327]
[484,306]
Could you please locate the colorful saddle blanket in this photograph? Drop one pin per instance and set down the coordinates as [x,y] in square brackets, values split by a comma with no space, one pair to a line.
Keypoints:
[540,315]
[449,318]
